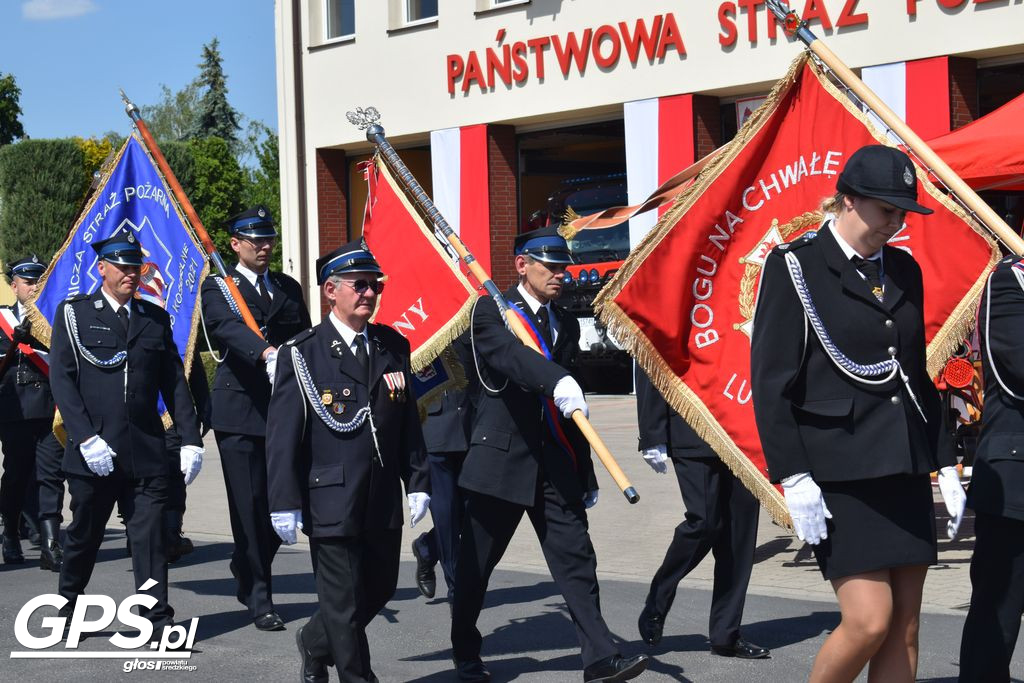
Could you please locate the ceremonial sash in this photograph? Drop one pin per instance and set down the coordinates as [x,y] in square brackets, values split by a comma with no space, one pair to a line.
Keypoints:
[550,411]
[38,358]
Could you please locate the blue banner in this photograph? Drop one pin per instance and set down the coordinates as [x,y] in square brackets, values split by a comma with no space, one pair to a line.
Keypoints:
[133,195]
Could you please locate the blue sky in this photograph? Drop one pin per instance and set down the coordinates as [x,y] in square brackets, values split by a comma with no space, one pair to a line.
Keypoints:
[69,57]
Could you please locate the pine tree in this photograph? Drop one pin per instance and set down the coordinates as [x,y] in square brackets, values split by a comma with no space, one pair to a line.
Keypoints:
[216,117]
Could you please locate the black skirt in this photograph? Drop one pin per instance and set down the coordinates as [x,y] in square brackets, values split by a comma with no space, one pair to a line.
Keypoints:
[877,524]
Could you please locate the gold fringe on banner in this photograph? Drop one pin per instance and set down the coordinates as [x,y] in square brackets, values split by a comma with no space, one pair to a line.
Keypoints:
[682,399]
[443,338]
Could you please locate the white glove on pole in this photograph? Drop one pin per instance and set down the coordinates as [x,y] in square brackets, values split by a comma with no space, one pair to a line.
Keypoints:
[657,457]
[285,523]
[806,507]
[955,498]
[590,499]
[191,462]
[418,504]
[271,366]
[569,397]
[98,455]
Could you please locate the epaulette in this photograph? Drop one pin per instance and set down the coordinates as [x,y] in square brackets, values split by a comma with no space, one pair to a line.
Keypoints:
[1010,262]
[78,297]
[300,337]
[803,241]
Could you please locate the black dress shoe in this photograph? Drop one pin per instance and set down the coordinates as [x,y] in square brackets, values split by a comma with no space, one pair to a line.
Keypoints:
[426,580]
[312,670]
[271,621]
[741,649]
[650,624]
[472,670]
[615,668]
[51,557]
[12,550]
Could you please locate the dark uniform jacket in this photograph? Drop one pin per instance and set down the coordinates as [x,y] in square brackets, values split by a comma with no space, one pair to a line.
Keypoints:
[810,416]
[25,389]
[120,403]
[511,444]
[241,390]
[997,483]
[660,424]
[450,419]
[338,480]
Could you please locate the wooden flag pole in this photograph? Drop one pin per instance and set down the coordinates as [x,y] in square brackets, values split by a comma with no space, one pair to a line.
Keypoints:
[989,218]
[367,119]
[190,213]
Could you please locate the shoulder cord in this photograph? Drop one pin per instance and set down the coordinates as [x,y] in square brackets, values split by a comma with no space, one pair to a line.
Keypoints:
[855,371]
[988,326]
[305,381]
[226,293]
[72,325]
[476,363]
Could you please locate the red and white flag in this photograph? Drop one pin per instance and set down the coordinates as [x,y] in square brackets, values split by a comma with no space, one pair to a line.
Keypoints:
[683,303]
[426,300]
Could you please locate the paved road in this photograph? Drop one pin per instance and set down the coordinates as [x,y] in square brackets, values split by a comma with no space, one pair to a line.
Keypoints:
[528,636]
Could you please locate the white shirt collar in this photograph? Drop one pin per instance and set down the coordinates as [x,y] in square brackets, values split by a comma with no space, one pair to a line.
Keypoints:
[845,246]
[115,305]
[249,275]
[19,310]
[346,332]
[532,301]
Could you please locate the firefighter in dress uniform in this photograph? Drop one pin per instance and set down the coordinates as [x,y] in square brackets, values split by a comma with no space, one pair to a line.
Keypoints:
[343,438]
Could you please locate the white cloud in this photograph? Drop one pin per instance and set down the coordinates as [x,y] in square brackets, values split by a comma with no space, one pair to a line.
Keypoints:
[45,10]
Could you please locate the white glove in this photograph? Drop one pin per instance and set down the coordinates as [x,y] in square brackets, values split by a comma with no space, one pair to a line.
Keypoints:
[285,523]
[418,503]
[191,462]
[806,507]
[99,456]
[657,457]
[954,497]
[569,397]
[271,366]
[590,499]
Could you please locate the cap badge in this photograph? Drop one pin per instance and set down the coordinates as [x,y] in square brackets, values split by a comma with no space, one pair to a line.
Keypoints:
[131,238]
[35,259]
[261,213]
[908,176]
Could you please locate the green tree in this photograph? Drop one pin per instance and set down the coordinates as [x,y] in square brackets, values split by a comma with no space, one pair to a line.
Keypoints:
[10,110]
[215,116]
[42,184]
[174,116]
[263,177]
[216,187]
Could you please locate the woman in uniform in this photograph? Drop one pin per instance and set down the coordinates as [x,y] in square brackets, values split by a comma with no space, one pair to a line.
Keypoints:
[849,420]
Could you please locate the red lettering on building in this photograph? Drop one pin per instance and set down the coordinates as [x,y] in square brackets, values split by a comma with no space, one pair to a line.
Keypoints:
[670,37]
[610,36]
[573,50]
[849,16]
[640,36]
[815,10]
[727,20]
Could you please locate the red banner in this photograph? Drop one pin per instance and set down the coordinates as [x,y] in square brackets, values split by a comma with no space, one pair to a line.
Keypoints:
[683,303]
[426,300]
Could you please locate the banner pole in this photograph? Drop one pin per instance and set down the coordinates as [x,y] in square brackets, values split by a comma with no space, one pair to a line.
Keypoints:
[367,119]
[190,212]
[989,218]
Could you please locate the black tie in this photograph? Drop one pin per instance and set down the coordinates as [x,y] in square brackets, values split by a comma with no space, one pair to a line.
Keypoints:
[869,268]
[122,314]
[261,287]
[362,356]
[544,320]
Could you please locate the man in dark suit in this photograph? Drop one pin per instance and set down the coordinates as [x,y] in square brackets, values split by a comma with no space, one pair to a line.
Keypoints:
[31,453]
[997,485]
[446,435]
[343,437]
[241,394]
[721,518]
[521,461]
[111,357]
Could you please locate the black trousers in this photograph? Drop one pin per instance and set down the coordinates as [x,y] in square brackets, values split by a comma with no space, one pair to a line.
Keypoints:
[142,503]
[244,461]
[447,508]
[721,518]
[32,457]
[565,541]
[997,599]
[50,477]
[355,578]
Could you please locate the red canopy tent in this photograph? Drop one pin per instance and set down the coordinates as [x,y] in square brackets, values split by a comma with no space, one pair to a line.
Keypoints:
[988,153]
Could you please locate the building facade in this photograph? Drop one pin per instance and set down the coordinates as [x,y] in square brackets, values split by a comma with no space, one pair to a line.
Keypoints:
[510,112]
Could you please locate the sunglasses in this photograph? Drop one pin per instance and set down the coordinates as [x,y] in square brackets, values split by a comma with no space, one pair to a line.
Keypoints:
[362,285]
